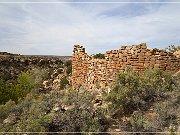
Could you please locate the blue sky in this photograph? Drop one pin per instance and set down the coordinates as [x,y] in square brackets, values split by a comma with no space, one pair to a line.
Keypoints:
[53,28]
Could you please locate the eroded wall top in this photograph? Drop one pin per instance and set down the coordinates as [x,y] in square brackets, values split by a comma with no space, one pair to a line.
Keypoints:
[101,72]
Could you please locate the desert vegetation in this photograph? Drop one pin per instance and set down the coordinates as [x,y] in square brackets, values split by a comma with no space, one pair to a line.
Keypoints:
[43,100]
[99,56]
[146,103]
[173,48]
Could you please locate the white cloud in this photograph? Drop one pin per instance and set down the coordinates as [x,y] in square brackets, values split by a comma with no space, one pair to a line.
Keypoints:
[55,28]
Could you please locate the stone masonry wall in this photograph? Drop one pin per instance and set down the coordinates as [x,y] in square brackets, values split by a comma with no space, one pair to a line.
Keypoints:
[101,72]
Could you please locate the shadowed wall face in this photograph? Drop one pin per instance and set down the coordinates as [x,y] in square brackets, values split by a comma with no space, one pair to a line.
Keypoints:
[101,72]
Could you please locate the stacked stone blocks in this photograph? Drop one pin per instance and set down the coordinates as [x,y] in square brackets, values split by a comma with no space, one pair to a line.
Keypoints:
[101,72]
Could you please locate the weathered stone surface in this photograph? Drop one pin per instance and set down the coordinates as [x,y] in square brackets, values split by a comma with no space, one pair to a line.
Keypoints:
[101,72]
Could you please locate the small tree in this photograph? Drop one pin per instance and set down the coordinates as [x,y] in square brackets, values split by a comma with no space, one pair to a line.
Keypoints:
[14,91]
[68,65]
[99,56]
[24,84]
[173,48]
[63,83]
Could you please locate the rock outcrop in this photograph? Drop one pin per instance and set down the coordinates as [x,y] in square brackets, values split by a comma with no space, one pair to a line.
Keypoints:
[13,64]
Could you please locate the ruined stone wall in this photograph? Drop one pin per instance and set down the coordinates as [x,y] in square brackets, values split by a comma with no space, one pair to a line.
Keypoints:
[101,72]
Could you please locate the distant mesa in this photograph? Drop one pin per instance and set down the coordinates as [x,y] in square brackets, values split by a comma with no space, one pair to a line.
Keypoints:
[63,58]
[6,53]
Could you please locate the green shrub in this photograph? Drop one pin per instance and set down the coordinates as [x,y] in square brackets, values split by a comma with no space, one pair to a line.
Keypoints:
[133,92]
[68,65]
[24,84]
[5,76]
[81,115]
[69,70]
[38,75]
[173,48]
[28,115]
[99,56]
[5,110]
[16,90]
[63,83]
[45,113]
[5,94]
[138,121]
[168,112]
